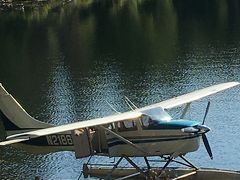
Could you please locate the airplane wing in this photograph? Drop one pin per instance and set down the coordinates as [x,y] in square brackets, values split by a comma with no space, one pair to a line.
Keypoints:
[167,104]
[193,96]
[72,126]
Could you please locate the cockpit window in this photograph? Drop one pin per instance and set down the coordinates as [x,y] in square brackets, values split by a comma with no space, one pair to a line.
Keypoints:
[149,123]
[145,121]
[126,126]
[154,116]
[157,114]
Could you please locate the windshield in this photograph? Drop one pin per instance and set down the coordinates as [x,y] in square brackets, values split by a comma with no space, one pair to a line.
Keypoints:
[157,114]
[154,115]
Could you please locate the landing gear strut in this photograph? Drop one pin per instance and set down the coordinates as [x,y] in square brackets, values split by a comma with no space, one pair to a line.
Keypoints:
[171,159]
[148,172]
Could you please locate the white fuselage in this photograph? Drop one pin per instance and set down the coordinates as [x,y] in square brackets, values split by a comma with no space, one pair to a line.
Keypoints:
[153,143]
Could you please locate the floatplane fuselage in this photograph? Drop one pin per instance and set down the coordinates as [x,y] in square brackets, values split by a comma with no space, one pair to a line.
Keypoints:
[154,133]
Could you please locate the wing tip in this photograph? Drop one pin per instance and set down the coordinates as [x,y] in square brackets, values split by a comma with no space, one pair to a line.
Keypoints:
[236,82]
[231,84]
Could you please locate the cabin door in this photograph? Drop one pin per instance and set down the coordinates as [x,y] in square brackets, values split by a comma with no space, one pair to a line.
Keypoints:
[82,143]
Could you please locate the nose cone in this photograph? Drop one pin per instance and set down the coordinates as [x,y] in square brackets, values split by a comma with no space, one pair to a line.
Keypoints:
[189,130]
[196,129]
[203,128]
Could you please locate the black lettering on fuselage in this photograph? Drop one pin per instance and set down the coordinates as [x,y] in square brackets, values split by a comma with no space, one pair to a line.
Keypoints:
[60,140]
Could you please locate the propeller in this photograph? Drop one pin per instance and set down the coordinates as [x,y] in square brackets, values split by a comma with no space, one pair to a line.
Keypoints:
[200,129]
[207,146]
[206,112]
[204,137]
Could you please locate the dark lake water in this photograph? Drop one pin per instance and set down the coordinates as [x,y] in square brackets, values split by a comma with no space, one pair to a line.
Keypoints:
[62,63]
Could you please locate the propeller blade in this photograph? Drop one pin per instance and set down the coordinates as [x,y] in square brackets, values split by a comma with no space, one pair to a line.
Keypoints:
[206,112]
[207,146]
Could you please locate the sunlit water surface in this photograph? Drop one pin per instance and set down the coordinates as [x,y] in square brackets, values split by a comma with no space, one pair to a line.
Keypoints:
[63,64]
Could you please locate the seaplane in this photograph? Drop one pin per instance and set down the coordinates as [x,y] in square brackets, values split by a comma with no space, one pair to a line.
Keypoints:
[141,132]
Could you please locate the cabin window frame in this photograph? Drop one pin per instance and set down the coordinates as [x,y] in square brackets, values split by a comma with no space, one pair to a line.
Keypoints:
[145,122]
[123,127]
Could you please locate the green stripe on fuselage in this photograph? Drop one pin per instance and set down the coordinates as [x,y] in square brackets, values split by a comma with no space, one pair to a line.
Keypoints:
[173,124]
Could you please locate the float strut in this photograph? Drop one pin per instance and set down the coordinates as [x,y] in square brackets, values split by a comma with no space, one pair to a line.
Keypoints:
[188,162]
[114,167]
[146,160]
[164,167]
[136,167]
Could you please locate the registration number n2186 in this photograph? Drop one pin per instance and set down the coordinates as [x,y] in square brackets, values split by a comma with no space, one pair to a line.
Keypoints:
[60,140]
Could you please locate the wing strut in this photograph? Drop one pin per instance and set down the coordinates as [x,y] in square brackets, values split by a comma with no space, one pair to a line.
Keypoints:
[186,108]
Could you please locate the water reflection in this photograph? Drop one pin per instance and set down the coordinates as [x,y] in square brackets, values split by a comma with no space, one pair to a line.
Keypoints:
[61,95]
[63,63]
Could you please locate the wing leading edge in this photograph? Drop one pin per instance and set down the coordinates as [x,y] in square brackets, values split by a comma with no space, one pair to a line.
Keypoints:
[193,96]
[167,104]
[72,126]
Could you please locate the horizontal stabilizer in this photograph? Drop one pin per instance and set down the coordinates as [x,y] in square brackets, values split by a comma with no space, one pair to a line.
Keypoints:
[13,141]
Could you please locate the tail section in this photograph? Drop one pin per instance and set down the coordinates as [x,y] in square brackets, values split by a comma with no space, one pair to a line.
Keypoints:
[13,115]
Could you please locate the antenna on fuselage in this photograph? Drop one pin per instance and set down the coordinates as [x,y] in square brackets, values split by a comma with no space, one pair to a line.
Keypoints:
[130,104]
[112,107]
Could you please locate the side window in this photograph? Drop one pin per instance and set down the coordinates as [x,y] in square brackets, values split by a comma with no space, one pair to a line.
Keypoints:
[145,121]
[126,126]
[112,126]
